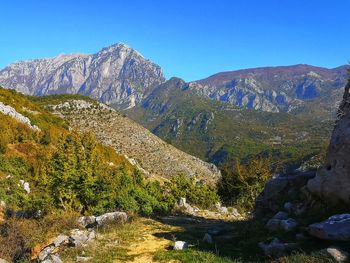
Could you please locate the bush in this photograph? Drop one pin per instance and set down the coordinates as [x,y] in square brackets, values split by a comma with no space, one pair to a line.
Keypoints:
[196,193]
[242,183]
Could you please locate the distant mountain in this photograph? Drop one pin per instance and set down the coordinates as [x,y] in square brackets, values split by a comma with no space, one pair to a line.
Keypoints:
[117,75]
[219,132]
[276,89]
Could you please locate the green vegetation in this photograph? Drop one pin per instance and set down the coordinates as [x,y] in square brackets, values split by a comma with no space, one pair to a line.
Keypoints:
[221,133]
[240,184]
[68,171]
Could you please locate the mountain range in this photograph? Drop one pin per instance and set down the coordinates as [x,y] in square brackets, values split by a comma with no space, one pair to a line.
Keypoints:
[122,78]
[288,110]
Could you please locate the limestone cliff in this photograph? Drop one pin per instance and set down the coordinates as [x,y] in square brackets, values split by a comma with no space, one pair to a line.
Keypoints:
[333,178]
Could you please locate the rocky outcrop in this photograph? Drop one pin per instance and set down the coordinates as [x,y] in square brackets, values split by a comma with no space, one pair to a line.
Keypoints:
[332,182]
[116,75]
[336,228]
[10,111]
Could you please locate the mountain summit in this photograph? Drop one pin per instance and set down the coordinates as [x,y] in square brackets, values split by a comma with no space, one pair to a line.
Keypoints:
[117,75]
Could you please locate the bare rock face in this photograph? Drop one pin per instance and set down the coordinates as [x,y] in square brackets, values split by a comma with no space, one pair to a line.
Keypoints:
[116,75]
[332,182]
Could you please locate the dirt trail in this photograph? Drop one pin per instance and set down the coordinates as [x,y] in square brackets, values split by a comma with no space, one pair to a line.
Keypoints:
[157,236]
[144,249]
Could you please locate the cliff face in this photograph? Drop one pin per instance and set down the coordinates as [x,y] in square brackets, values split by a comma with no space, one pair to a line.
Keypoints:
[117,75]
[333,178]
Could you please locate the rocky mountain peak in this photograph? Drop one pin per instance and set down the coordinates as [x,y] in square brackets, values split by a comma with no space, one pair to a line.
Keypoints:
[117,75]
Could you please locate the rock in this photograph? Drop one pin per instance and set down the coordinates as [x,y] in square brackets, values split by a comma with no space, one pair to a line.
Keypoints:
[182,201]
[332,182]
[337,254]
[276,248]
[112,217]
[46,252]
[288,206]
[180,245]
[273,225]
[80,237]
[221,209]
[281,215]
[207,238]
[2,204]
[235,212]
[3,261]
[288,224]
[84,259]
[279,188]
[336,228]
[61,239]
[56,258]
[25,186]
[87,221]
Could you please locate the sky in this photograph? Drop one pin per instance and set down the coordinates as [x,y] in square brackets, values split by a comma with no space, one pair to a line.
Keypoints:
[191,39]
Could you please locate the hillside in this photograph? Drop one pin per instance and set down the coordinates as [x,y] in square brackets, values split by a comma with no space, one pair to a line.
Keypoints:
[220,132]
[153,156]
[276,89]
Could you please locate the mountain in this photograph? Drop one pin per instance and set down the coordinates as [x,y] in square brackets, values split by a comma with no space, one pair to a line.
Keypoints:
[220,132]
[149,153]
[276,89]
[116,75]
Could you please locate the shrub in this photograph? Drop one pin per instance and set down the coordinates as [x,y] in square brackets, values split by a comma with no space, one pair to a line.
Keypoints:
[242,183]
[195,192]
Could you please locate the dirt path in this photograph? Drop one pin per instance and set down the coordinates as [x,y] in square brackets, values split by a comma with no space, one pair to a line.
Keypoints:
[158,235]
[145,248]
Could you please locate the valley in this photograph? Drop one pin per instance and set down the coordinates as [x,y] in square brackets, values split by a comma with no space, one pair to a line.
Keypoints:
[103,159]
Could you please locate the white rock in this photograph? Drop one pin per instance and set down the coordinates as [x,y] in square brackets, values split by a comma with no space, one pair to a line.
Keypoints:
[84,259]
[61,239]
[281,215]
[112,217]
[45,252]
[85,221]
[337,254]
[180,245]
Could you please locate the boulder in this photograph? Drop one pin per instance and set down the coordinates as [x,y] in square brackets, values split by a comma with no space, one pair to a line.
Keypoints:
[281,215]
[273,225]
[180,245]
[111,217]
[60,240]
[332,182]
[276,248]
[208,239]
[279,188]
[337,254]
[336,228]
[80,237]
[87,221]
[46,252]
[288,224]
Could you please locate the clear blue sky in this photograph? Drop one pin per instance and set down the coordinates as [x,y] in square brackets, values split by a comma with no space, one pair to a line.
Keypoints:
[191,39]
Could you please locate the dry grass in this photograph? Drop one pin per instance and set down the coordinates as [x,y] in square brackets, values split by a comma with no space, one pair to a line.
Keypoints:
[21,238]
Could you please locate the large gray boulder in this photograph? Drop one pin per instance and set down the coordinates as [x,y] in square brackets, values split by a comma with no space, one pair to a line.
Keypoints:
[332,182]
[281,187]
[111,217]
[336,228]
